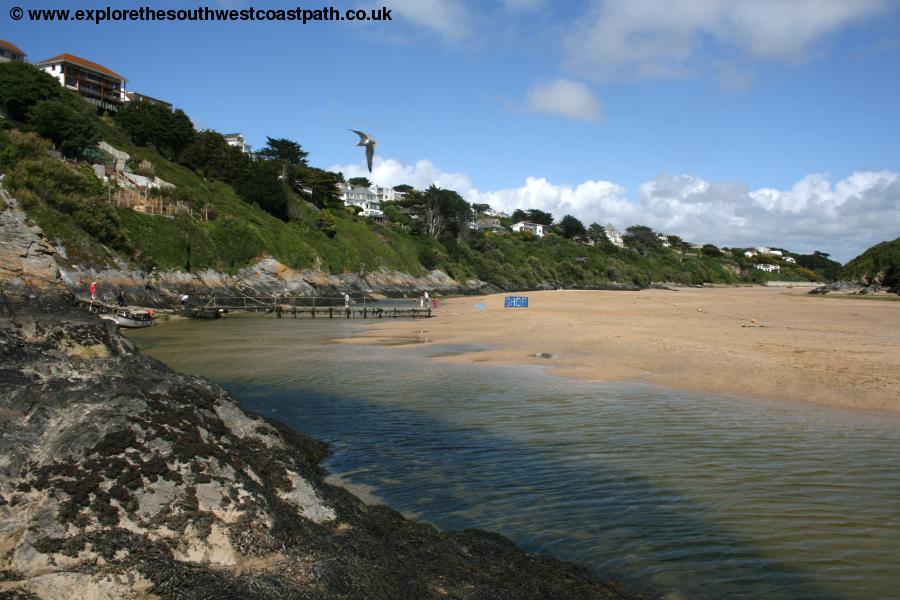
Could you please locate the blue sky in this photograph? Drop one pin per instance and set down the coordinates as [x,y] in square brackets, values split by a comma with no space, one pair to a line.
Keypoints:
[739,123]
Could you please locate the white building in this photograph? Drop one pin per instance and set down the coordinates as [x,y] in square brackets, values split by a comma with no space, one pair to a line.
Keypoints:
[664,240]
[614,235]
[365,198]
[750,253]
[790,259]
[763,250]
[535,228]
[768,268]
[9,51]
[237,140]
[775,252]
[93,81]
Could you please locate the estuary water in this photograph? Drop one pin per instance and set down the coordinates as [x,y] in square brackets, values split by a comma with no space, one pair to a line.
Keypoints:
[679,494]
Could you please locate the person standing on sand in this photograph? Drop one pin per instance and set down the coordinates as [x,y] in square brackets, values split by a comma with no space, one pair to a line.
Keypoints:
[184,299]
[346,300]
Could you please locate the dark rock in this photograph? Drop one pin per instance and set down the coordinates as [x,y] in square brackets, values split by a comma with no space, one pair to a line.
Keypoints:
[123,477]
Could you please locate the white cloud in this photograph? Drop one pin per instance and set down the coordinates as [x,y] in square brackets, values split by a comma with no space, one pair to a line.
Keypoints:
[843,218]
[390,172]
[651,39]
[566,98]
[449,18]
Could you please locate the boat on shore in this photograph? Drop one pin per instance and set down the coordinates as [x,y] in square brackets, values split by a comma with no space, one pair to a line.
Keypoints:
[131,319]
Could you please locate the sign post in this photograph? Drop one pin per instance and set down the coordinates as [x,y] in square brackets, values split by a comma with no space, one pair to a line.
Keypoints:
[515,302]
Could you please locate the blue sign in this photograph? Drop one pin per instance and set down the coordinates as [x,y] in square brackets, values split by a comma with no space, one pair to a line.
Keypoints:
[480,307]
[516,302]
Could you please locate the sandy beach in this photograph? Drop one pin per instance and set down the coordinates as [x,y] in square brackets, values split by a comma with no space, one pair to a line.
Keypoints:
[753,341]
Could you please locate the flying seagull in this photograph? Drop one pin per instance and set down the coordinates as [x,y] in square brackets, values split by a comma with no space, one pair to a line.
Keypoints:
[369,143]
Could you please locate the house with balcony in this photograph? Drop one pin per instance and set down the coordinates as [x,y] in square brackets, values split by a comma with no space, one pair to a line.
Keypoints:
[138,97]
[536,228]
[237,140]
[97,84]
[365,198]
[9,51]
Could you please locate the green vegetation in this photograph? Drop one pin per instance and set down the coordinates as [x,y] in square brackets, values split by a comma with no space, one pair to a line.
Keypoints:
[879,264]
[235,208]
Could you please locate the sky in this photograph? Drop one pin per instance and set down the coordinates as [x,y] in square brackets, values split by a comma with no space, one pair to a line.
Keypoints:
[738,123]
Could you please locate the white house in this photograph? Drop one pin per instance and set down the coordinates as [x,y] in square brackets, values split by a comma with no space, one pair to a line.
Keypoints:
[763,250]
[664,240]
[535,228]
[614,235]
[237,140]
[93,81]
[790,259]
[775,252]
[363,197]
[768,268]
[750,253]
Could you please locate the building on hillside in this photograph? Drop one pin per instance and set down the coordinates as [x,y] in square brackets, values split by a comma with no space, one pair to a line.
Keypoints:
[535,228]
[93,81]
[492,225]
[9,51]
[614,236]
[790,259]
[384,194]
[664,240]
[768,268]
[138,97]
[776,252]
[763,250]
[363,197]
[749,253]
[237,140]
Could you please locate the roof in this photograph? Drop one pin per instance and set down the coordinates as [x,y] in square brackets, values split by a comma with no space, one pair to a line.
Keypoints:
[82,62]
[12,48]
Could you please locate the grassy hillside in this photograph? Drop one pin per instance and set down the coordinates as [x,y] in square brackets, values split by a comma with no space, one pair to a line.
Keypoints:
[237,209]
[881,262]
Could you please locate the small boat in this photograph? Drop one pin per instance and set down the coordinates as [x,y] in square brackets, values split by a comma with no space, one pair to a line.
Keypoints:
[131,318]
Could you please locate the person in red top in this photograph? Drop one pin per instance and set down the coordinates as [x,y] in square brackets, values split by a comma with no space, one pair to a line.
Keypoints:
[93,289]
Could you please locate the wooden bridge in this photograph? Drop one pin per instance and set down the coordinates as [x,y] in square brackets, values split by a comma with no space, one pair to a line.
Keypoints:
[304,306]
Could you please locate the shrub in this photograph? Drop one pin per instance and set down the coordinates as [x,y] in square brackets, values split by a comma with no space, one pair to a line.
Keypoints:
[326,223]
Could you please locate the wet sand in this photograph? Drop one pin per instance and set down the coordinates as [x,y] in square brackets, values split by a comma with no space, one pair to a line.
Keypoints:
[754,341]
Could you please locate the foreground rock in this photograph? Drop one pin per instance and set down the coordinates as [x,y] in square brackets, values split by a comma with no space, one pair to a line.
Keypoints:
[124,479]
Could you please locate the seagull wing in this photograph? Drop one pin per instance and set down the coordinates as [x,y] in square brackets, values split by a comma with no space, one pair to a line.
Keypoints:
[362,136]
[370,154]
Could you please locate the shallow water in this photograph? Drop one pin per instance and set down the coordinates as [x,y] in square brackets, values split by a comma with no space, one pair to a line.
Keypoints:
[682,494]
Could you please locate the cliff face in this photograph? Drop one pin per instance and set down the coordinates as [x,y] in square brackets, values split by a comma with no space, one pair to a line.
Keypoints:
[120,478]
[266,277]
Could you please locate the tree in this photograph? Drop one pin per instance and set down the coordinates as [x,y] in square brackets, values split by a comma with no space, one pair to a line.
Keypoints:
[404,189]
[326,222]
[67,122]
[22,86]
[711,250]
[540,217]
[641,238]
[285,150]
[359,182]
[151,124]
[324,186]
[571,227]
[209,154]
[480,209]
[261,186]
[442,210]
[519,215]
[596,233]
